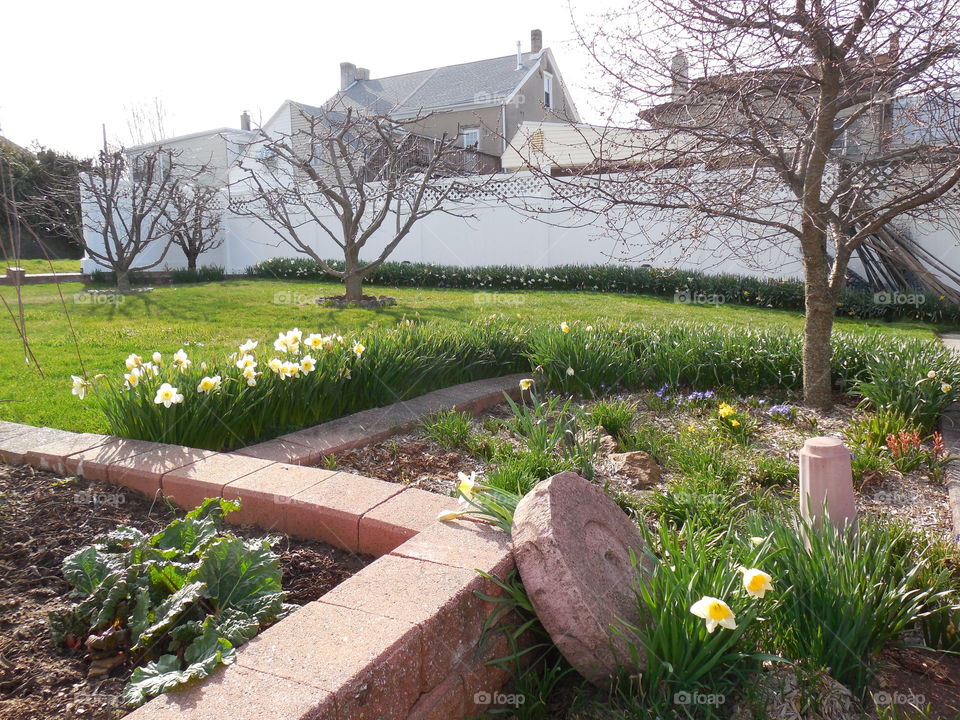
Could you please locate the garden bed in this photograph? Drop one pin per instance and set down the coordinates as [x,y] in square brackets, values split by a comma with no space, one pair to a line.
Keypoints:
[43,519]
[431,456]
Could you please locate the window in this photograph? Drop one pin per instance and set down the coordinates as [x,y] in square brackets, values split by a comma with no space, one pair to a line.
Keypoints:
[471,137]
[547,90]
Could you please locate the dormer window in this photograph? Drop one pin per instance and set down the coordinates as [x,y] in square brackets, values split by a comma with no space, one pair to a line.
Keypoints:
[471,137]
[547,90]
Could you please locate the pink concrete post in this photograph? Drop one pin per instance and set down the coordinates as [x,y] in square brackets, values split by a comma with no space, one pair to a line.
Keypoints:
[827,478]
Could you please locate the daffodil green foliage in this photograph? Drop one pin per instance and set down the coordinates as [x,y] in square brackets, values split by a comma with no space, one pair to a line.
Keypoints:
[234,397]
[177,603]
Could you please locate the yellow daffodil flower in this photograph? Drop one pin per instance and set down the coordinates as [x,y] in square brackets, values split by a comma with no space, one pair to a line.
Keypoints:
[526,384]
[167,395]
[132,377]
[755,540]
[249,346]
[564,327]
[133,361]
[315,341]
[275,364]
[246,361]
[755,582]
[467,484]
[715,612]
[250,375]
[946,387]
[181,361]
[157,358]
[932,374]
[209,384]
[570,372]
[725,410]
[735,423]
[358,349]
[307,364]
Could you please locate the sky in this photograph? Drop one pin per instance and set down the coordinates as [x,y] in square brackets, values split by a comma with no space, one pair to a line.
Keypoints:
[71,67]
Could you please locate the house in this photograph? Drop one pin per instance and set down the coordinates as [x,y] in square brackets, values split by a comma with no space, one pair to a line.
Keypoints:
[482,102]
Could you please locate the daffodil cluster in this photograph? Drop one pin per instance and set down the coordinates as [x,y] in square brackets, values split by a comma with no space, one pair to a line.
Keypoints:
[295,358]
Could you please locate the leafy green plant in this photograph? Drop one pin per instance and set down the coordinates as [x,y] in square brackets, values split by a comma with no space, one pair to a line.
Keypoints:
[774,471]
[449,429]
[853,593]
[733,425]
[553,428]
[614,416]
[867,433]
[683,656]
[920,385]
[177,603]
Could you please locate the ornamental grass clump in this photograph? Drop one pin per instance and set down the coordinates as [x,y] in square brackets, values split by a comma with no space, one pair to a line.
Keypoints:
[176,603]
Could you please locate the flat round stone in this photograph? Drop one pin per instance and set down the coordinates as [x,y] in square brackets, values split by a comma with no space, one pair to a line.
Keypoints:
[572,546]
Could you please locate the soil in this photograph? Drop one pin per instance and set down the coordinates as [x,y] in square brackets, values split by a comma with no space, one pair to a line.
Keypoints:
[44,518]
[914,679]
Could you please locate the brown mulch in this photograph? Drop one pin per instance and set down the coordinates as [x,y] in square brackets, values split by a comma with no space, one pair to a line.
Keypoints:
[915,679]
[44,518]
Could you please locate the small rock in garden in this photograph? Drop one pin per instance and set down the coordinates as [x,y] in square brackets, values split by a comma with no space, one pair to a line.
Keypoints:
[638,467]
[606,445]
[572,545]
[103,666]
[778,694]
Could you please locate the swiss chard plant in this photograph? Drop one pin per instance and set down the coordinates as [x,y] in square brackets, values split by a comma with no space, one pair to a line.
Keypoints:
[176,604]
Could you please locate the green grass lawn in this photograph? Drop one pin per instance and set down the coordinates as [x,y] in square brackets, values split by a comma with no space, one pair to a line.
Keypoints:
[42,266]
[221,315]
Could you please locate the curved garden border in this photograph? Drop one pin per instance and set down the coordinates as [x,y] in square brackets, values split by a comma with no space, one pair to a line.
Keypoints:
[400,639]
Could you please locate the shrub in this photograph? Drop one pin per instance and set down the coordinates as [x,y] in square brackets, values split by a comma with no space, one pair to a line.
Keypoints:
[205,273]
[618,278]
[774,471]
[449,429]
[178,602]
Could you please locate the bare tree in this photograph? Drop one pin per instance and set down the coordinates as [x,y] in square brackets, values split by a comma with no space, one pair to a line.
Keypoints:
[349,174]
[196,215]
[810,125]
[128,208]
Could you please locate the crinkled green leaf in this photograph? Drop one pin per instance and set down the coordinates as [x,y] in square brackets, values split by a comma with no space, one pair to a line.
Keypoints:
[86,569]
[185,633]
[140,617]
[214,508]
[240,574]
[202,656]
[236,626]
[67,622]
[184,536]
[170,610]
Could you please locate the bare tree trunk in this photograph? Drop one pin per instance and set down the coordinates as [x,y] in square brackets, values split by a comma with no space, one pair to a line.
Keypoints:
[191,261]
[123,280]
[820,302]
[353,284]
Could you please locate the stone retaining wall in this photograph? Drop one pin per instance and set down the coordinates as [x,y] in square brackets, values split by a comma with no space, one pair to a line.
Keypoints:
[400,639]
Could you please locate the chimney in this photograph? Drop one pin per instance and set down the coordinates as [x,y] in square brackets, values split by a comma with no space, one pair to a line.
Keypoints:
[679,76]
[536,41]
[362,74]
[244,120]
[348,73]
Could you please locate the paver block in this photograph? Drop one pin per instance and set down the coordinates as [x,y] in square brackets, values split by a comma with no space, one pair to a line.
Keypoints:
[281,450]
[14,448]
[266,493]
[143,472]
[480,679]
[444,702]
[93,464]
[462,543]
[331,510]
[189,485]
[440,599]
[397,520]
[237,693]
[53,455]
[370,662]
[11,428]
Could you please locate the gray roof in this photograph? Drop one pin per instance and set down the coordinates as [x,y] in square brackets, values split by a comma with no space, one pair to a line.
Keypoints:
[484,81]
